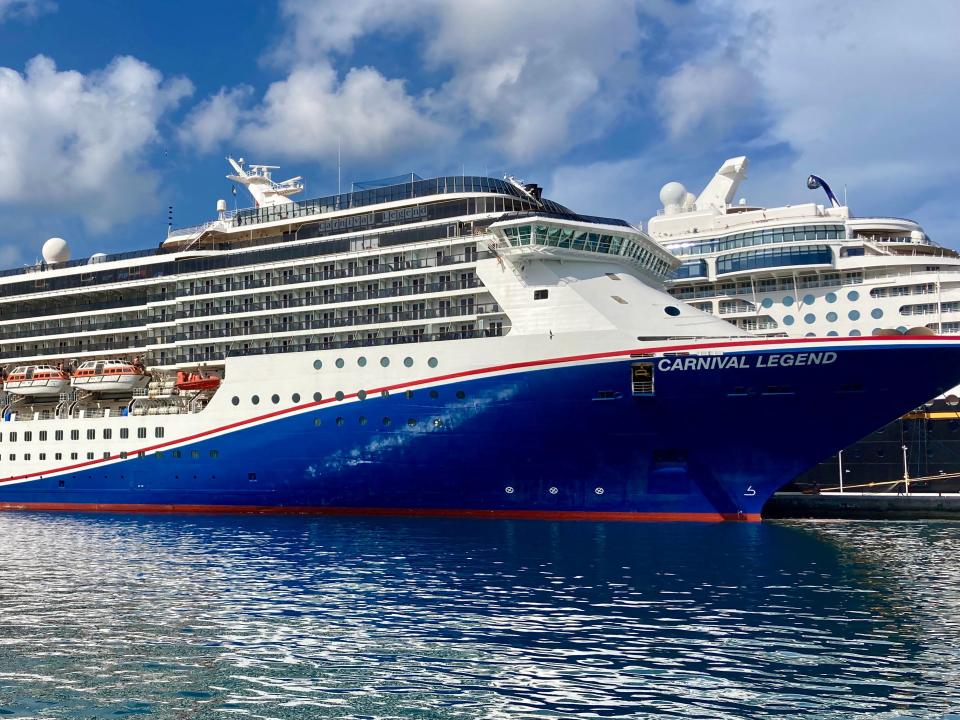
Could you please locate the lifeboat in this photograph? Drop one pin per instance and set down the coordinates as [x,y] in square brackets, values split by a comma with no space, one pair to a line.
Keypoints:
[37,380]
[109,376]
[196,381]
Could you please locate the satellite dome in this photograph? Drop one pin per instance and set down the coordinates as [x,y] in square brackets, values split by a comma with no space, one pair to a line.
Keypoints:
[673,193]
[55,250]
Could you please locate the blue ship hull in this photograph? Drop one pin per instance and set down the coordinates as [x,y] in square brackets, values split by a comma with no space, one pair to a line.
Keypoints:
[570,441]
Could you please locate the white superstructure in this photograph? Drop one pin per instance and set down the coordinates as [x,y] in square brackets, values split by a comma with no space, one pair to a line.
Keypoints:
[805,270]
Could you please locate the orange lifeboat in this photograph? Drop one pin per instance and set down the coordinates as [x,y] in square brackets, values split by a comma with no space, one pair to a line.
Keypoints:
[37,380]
[109,376]
[196,381]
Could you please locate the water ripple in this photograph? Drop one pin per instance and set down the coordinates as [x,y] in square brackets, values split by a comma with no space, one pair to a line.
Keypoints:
[191,617]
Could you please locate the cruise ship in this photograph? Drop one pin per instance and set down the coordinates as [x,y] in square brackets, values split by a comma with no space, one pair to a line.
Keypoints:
[456,346]
[815,269]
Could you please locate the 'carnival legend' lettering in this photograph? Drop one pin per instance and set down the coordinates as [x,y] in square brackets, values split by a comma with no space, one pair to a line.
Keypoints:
[725,362]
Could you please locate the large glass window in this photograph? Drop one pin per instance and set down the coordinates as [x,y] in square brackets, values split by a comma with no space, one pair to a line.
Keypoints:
[760,237]
[774,257]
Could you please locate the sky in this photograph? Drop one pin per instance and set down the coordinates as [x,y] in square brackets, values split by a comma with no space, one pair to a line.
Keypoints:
[111,111]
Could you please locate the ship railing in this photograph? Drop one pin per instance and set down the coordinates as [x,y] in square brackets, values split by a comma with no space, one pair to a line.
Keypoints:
[376,318]
[321,275]
[334,299]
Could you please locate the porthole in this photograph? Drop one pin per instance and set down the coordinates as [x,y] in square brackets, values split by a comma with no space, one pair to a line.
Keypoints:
[598,491]
[295,397]
[672,310]
[854,314]
[788,301]
[809,318]
[853,295]
[195,454]
[876,313]
[362,420]
[902,329]
[554,491]
[408,362]
[339,362]
[339,421]
[409,394]
[235,400]
[508,490]
[317,397]
[411,422]
[788,319]
[830,297]
[766,303]
[339,395]
[434,394]
[386,421]
[384,362]
[810,334]
[317,364]
[832,333]
[317,422]
[854,333]
[255,399]
[275,398]
[808,299]
[831,316]
[362,361]
[461,394]
[362,395]
[432,362]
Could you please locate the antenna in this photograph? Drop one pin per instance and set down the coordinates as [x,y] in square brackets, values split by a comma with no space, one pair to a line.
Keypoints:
[338,164]
[169,219]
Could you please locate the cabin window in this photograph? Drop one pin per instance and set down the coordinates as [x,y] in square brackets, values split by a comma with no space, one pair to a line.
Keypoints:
[124,433]
[74,434]
[107,434]
[123,455]
[43,435]
[74,456]
[58,456]
[214,453]
[27,436]
[540,294]
[91,434]
[58,434]
[13,437]
[26,456]
[43,456]
[106,456]
[13,456]
[141,432]
[158,432]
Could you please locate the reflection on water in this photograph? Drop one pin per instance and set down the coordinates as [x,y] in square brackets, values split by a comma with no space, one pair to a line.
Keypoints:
[194,617]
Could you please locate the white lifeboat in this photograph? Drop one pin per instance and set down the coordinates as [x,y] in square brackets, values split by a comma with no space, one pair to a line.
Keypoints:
[109,376]
[36,380]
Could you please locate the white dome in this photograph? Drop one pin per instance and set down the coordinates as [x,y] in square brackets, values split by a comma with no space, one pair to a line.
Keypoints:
[672,193]
[55,250]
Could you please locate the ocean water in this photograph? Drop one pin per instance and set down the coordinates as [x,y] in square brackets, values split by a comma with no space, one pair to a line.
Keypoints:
[111,616]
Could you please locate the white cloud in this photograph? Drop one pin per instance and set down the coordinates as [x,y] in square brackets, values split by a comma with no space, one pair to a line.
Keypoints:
[307,113]
[26,9]
[76,143]
[528,79]
[863,93]
[707,100]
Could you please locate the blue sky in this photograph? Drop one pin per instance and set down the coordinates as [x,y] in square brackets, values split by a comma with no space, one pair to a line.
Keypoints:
[112,110]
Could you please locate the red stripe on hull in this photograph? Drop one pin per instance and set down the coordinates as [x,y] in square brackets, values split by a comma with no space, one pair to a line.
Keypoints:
[409,512]
[544,362]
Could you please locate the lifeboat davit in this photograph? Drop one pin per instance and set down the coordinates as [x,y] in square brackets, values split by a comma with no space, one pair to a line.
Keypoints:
[195,381]
[37,380]
[109,376]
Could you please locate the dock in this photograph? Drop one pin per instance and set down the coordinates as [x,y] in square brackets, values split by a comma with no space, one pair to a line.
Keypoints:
[864,505]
